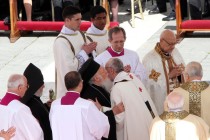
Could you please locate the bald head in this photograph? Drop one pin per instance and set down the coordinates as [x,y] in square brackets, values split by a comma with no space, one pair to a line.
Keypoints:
[194,70]
[175,101]
[167,41]
[168,35]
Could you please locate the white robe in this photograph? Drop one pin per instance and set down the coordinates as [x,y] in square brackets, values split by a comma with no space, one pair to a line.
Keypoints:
[134,123]
[190,128]
[19,115]
[81,121]
[158,89]
[65,60]
[129,58]
[99,36]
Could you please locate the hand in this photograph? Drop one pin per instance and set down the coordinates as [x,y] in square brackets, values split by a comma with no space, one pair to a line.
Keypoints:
[88,48]
[127,68]
[177,70]
[7,135]
[49,102]
[97,104]
[119,108]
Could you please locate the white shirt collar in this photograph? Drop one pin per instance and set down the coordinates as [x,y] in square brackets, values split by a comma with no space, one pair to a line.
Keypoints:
[115,51]
[66,30]
[94,30]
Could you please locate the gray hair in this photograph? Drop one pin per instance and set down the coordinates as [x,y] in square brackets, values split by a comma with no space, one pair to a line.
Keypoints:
[194,69]
[15,80]
[116,64]
[175,101]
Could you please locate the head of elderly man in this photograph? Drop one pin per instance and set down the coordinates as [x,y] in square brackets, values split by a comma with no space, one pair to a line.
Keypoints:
[175,102]
[17,83]
[167,41]
[92,72]
[193,71]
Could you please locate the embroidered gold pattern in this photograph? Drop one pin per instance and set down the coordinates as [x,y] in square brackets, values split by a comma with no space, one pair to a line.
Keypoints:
[170,119]
[154,75]
[195,89]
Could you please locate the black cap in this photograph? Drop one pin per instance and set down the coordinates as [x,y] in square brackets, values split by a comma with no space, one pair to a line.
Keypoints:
[89,69]
[35,81]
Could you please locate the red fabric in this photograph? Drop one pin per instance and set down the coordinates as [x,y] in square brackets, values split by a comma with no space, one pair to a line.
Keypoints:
[195,24]
[8,98]
[69,98]
[3,27]
[52,26]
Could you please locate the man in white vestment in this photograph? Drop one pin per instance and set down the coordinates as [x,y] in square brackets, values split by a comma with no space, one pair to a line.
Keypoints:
[164,65]
[134,123]
[72,117]
[14,113]
[97,32]
[130,59]
[178,124]
[195,92]
[70,47]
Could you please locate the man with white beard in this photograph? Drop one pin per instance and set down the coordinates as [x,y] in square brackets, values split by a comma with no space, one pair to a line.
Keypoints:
[96,86]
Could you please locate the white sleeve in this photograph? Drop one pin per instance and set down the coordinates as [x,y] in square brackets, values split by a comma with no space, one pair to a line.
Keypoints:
[140,70]
[26,125]
[98,123]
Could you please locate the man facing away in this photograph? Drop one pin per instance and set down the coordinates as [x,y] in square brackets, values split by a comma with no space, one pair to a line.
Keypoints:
[164,65]
[96,86]
[97,32]
[70,47]
[74,118]
[32,99]
[134,123]
[14,113]
[130,59]
[195,92]
[178,124]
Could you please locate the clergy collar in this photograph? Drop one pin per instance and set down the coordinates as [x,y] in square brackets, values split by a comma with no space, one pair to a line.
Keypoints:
[114,53]
[122,76]
[10,96]
[66,30]
[94,30]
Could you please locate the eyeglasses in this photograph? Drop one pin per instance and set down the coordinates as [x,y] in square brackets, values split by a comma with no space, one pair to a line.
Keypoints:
[170,44]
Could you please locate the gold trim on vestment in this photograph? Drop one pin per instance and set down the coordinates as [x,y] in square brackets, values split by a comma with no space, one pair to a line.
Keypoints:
[170,119]
[195,89]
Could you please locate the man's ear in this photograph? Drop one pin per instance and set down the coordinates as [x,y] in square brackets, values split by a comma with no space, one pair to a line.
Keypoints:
[91,19]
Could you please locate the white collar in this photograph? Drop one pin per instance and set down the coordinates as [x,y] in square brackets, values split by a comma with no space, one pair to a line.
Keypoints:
[115,51]
[13,93]
[66,30]
[94,30]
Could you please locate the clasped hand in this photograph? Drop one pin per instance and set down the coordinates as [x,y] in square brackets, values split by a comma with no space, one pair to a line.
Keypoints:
[88,48]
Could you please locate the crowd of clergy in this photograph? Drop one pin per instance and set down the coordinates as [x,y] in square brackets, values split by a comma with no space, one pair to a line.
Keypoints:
[104,91]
